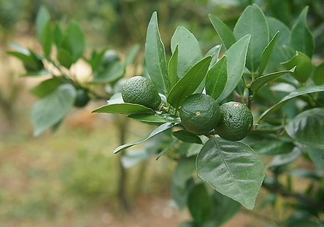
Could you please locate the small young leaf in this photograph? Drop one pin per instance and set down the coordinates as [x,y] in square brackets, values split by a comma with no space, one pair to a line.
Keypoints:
[156,118]
[294,94]
[216,78]
[155,57]
[188,83]
[317,157]
[187,137]
[319,74]
[236,58]
[308,128]
[200,204]
[131,54]
[253,22]
[189,50]
[265,56]
[123,108]
[223,31]
[231,168]
[263,80]
[304,66]
[173,68]
[52,108]
[65,58]
[73,41]
[46,87]
[42,19]
[301,38]
[214,53]
[47,39]
[158,130]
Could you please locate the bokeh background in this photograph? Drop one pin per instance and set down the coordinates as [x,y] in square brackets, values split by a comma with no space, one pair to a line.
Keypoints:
[70,177]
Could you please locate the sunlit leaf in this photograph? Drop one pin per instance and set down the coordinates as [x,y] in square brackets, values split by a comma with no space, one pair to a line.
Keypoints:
[223,31]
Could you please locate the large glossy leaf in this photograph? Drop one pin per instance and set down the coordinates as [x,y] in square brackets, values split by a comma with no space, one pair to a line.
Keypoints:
[189,82]
[231,168]
[173,67]
[303,64]
[319,74]
[200,204]
[253,22]
[216,78]
[263,80]
[50,110]
[308,128]
[265,56]
[42,18]
[124,108]
[236,58]
[189,50]
[223,31]
[155,57]
[294,94]
[155,118]
[30,61]
[301,38]
[158,130]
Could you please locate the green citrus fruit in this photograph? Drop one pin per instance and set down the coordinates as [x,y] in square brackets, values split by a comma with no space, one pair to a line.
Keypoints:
[82,98]
[236,121]
[199,114]
[141,90]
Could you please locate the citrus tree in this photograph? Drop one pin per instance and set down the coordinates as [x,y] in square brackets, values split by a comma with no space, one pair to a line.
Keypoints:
[245,115]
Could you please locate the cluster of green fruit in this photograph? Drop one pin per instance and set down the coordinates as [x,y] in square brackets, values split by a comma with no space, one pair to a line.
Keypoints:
[199,113]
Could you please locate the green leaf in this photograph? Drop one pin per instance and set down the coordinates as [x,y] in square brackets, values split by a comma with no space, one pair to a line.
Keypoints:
[47,39]
[265,56]
[231,168]
[124,108]
[158,130]
[57,35]
[189,50]
[65,58]
[155,118]
[224,208]
[186,136]
[214,53]
[284,159]
[263,80]
[30,60]
[199,204]
[46,87]
[52,108]
[304,66]
[294,94]
[109,74]
[236,58]
[301,38]
[75,40]
[131,54]
[319,74]
[279,53]
[188,83]
[225,34]
[302,222]
[308,128]
[173,67]
[216,78]
[183,172]
[253,22]
[317,157]
[42,18]
[155,57]
[272,147]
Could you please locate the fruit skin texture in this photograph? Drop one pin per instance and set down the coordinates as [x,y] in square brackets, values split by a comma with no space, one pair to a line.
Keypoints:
[236,121]
[82,98]
[199,114]
[141,90]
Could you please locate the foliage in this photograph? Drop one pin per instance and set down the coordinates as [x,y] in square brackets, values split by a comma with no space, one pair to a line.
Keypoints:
[261,63]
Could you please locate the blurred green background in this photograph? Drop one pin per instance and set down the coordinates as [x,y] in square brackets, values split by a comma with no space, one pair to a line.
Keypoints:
[70,177]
